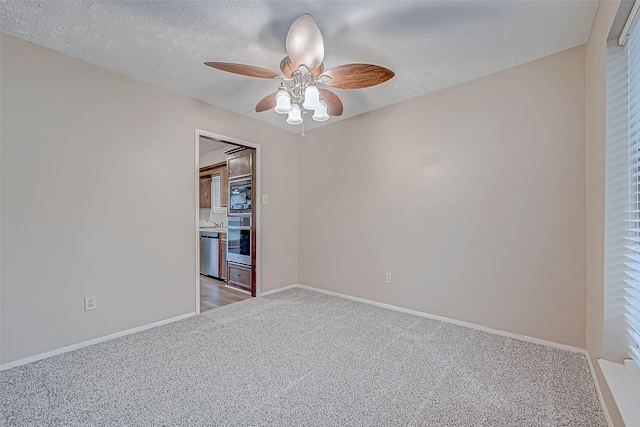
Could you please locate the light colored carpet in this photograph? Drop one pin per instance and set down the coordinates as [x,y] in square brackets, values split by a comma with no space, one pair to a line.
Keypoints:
[301,358]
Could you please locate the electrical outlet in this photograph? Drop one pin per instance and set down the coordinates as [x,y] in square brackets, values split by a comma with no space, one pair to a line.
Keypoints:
[265,199]
[89,303]
[388,278]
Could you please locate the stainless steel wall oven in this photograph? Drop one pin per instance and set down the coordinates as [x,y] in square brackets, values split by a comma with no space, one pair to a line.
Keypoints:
[239,240]
[240,197]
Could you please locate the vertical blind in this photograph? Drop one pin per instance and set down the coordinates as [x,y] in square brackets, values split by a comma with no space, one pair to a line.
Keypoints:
[632,296]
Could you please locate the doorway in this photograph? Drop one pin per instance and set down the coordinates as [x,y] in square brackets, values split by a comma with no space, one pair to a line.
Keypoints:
[219,282]
[214,293]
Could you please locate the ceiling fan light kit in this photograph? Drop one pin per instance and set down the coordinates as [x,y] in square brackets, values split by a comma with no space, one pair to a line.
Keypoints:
[304,94]
[302,72]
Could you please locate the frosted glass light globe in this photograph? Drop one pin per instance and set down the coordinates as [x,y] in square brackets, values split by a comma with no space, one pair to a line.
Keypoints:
[320,113]
[283,102]
[311,98]
[295,116]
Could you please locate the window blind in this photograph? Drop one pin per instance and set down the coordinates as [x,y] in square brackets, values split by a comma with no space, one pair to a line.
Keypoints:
[632,297]
[615,339]
[215,197]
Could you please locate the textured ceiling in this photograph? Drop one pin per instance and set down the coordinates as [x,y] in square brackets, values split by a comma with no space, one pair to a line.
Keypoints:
[429,44]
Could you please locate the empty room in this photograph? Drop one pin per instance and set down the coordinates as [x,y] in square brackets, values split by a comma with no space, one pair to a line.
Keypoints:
[320,213]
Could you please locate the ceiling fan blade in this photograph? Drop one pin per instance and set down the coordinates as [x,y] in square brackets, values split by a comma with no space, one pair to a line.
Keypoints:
[244,70]
[287,68]
[267,103]
[334,105]
[357,76]
[304,43]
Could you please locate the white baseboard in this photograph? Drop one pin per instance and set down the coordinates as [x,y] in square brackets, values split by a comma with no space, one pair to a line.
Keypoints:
[447,320]
[275,291]
[72,347]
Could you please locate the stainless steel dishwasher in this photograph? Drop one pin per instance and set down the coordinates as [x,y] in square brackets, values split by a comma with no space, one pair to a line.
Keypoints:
[209,253]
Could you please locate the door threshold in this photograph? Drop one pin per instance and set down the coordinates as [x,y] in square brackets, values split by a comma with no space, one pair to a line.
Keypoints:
[237,289]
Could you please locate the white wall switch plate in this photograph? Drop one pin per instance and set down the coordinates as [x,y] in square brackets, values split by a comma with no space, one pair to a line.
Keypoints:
[89,303]
[388,278]
[265,199]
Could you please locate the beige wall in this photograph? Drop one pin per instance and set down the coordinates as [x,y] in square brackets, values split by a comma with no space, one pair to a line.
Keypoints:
[596,66]
[86,155]
[473,198]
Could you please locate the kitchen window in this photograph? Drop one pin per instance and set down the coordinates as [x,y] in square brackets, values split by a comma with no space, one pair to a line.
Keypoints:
[216,194]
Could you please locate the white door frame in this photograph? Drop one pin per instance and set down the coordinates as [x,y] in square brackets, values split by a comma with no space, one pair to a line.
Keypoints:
[196,186]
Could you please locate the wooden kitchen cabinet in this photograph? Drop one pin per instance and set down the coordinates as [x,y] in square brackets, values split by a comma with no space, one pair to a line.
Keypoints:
[240,163]
[239,276]
[205,192]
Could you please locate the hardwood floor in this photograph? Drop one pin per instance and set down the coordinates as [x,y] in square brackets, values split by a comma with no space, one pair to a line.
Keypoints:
[214,293]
